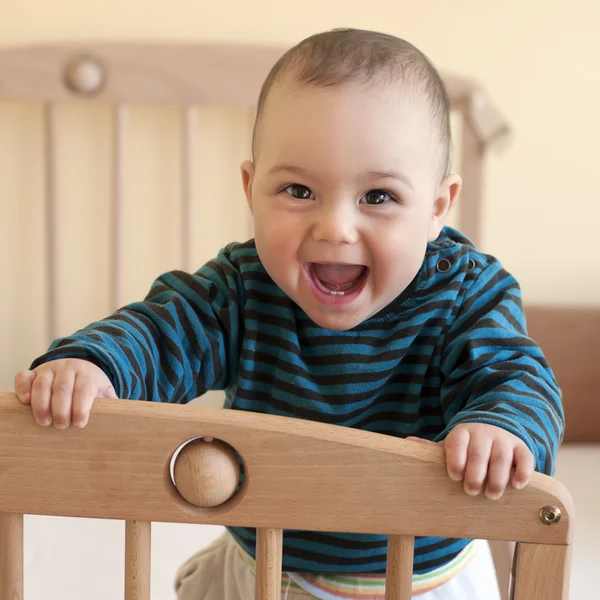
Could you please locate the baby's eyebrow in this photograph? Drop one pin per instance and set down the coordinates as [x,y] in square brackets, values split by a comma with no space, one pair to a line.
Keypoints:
[391,175]
[288,168]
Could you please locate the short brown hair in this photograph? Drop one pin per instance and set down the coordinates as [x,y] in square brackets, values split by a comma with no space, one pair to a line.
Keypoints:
[343,55]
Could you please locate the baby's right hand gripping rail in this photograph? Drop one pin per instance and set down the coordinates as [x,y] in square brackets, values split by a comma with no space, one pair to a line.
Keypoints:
[143,462]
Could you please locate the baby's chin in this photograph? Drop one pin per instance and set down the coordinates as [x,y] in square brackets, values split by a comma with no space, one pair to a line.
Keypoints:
[336,322]
[338,319]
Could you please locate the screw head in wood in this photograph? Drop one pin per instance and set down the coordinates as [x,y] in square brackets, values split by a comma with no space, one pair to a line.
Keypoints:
[550,515]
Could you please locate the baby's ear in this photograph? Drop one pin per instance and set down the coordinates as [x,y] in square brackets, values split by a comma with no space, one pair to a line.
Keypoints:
[446,195]
[247,169]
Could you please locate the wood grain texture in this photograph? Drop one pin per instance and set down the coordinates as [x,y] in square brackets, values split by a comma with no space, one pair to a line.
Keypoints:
[269,548]
[11,556]
[137,560]
[206,474]
[542,572]
[119,467]
[400,557]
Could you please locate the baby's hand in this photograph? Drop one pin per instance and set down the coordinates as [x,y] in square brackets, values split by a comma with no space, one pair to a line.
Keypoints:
[63,391]
[478,454]
[476,451]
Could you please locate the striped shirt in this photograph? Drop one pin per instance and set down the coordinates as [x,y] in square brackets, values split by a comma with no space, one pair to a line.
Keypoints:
[331,586]
[452,348]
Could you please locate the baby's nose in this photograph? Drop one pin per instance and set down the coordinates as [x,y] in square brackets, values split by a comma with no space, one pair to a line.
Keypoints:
[336,226]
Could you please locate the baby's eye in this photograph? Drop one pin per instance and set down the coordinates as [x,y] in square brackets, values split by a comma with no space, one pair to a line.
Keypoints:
[374,197]
[301,192]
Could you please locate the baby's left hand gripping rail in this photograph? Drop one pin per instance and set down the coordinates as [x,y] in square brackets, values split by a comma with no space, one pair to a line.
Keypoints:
[297,475]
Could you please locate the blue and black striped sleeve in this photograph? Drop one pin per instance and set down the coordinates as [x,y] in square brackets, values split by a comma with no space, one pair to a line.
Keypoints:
[493,372]
[173,346]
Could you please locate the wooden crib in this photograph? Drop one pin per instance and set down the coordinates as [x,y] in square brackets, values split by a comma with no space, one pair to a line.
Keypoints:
[144,462]
[190,77]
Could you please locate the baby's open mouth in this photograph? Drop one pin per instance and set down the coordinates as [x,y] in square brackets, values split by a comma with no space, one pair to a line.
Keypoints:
[337,279]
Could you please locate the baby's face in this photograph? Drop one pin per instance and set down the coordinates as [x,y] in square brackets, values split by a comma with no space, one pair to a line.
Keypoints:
[345,194]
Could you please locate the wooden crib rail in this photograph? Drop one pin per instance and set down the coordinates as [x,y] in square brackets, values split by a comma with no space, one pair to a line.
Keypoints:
[118,467]
[179,73]
[144,462]
[136,73]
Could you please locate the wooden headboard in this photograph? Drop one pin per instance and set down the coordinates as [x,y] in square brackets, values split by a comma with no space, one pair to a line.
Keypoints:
[222,76]
[192,75]
[570,338]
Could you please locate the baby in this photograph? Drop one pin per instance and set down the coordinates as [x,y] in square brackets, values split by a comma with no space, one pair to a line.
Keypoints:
[354,305]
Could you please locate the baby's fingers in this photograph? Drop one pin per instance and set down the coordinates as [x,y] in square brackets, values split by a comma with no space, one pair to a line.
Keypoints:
[456,445]
[62,398]
[23,383]
[524,466]
[41,395]
[501,462]
[478,459]
[85,392]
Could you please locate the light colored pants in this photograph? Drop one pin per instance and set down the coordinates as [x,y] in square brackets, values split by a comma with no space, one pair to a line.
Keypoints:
[218,572]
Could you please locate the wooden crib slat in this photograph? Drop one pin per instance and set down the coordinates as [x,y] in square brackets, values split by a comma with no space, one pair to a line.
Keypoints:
[542,571]
[11,556]
[188,153]
[137,560]
[398,580]
[51,218]
[269,544]
[120,116]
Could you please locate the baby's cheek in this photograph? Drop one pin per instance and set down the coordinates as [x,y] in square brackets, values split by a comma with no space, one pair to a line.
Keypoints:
[399,259]
[278,252]
[275,247]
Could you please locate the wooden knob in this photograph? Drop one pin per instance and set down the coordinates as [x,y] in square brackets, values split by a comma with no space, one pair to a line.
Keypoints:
[84,75]
[206,473]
